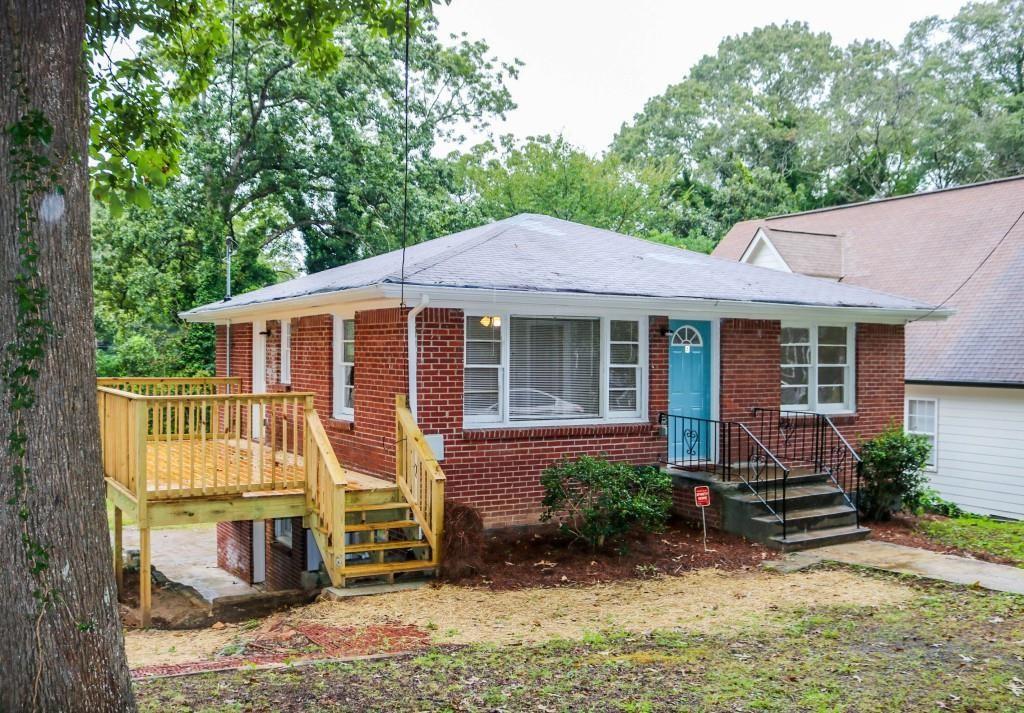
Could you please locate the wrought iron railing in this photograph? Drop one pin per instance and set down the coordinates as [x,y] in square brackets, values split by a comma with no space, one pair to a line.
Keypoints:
[729,450]
[804,438]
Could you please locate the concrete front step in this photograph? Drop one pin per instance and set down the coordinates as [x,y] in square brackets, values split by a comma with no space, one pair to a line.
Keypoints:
[815,495]
[808,519]
[820,538]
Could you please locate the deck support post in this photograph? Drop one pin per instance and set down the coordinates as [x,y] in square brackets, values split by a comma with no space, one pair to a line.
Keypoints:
[118,551]
[145,578]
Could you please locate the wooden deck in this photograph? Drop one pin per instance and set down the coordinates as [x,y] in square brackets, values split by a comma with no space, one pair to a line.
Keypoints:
[182,451]
[182,469]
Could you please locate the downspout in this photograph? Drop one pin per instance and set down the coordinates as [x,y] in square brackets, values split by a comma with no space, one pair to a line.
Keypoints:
[227,349]
[424,300]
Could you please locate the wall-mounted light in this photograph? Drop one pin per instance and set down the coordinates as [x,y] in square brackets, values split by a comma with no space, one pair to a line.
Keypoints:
[489,320]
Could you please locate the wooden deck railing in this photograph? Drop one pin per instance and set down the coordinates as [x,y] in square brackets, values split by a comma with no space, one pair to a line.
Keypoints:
[418,475]
[159,447]
[173,386]
[325,492]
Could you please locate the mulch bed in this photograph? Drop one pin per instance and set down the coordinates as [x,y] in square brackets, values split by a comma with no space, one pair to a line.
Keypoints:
[518,559]
[279,642]
[903,530]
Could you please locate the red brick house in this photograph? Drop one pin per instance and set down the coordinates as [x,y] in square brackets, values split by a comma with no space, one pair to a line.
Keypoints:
[533,338]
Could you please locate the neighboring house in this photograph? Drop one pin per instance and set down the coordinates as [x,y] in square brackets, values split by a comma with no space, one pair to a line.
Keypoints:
[964,376]
[533,338]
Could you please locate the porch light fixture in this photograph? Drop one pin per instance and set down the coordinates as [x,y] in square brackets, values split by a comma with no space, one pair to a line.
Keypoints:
[487,320]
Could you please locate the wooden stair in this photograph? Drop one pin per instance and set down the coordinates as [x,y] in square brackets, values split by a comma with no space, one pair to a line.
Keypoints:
[382,538]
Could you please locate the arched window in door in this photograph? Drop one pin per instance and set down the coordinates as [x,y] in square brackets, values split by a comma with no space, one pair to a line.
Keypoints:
[687,336]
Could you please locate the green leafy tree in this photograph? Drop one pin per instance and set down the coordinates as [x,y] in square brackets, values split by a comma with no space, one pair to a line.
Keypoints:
[66,110]
[550,176]
[299,169]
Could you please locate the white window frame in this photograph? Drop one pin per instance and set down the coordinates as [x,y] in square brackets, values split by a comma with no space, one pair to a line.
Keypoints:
[933,466]
[338,365]
[850,384]
[618,417]
[287,539]
[286,351]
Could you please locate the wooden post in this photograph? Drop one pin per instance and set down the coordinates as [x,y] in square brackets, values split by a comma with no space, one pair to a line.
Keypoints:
[118,552]
[145,578]
[400,403]
[437,513]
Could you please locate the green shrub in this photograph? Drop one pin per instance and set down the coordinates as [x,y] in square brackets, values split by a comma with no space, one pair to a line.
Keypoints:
[597,501]
[893,473]
[929,501]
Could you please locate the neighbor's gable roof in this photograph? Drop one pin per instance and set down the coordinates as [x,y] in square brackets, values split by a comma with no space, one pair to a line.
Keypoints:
[538,254]
[925,246]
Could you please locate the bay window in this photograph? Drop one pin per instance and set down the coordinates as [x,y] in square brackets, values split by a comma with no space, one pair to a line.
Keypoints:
[817,367]
[344,370]
[523,369]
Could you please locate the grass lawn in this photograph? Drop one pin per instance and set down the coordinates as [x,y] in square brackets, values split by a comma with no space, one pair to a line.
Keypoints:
[979,534]
[944,648]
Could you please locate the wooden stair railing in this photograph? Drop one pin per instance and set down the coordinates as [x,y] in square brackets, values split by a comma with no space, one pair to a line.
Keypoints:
[325,496]
[419,477]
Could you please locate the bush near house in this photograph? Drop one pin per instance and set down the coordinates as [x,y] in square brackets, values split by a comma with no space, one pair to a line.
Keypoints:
[596,500]
[894,477]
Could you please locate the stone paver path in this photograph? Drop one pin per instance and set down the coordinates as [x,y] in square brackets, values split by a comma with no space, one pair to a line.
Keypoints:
[924,563]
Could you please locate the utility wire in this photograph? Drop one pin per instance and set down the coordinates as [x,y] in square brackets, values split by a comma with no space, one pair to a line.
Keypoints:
[974,271]
[229,237]
[405,182]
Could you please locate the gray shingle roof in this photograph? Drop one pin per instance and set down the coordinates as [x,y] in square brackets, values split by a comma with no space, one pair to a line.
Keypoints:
[536,253]
[925,246]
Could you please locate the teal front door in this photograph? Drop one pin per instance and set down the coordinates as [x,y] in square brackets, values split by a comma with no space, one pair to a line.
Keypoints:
[689,391]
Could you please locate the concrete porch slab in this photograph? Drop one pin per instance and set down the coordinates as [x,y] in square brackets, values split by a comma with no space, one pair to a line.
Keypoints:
[923,563]
[188,555]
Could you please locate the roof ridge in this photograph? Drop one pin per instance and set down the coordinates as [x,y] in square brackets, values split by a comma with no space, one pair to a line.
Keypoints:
[887,199]
[805,232]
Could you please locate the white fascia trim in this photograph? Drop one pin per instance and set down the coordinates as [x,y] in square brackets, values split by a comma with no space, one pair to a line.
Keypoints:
[760,238]
[319,303]
[567,303]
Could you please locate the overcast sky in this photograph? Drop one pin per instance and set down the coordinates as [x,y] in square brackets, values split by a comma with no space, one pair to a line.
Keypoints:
[592,64]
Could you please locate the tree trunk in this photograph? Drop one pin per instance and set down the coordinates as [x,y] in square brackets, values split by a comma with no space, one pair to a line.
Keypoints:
[71,657]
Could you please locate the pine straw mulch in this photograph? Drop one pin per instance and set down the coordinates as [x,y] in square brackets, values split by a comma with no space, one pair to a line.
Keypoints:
[522,559]
[281,640]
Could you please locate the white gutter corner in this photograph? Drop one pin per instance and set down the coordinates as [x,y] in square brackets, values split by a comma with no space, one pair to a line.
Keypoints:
[424,301]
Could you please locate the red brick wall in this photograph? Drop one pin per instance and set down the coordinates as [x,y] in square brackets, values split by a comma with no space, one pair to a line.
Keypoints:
[241,353]
[750,372]
[285,565]
[498,470]
[234,549]
[880,382]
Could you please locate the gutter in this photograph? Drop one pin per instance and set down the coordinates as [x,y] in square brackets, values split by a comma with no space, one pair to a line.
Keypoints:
[424,301]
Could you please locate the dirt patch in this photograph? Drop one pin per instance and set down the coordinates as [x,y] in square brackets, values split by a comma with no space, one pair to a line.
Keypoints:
[702,601]
[175,606]
[903,530]
[518,559]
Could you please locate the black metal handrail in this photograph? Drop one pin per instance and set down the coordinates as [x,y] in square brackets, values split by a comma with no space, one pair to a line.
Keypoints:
[805,438]
[730,451]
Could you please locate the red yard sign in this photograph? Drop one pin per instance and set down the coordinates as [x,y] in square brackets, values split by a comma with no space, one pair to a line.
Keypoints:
[702,494]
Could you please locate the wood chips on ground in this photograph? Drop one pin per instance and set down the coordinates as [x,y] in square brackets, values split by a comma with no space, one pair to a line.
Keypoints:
[703,601]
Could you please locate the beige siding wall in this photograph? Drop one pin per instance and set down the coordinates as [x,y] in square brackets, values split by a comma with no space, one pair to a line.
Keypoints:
[980,447]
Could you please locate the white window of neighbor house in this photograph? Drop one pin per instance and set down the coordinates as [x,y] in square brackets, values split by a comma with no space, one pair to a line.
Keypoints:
[923,420]
[527,369]
[817,367]
[286,351]
[344,397]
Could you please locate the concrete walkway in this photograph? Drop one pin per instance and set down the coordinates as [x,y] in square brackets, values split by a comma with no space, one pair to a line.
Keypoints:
[923,563]
[188,555]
